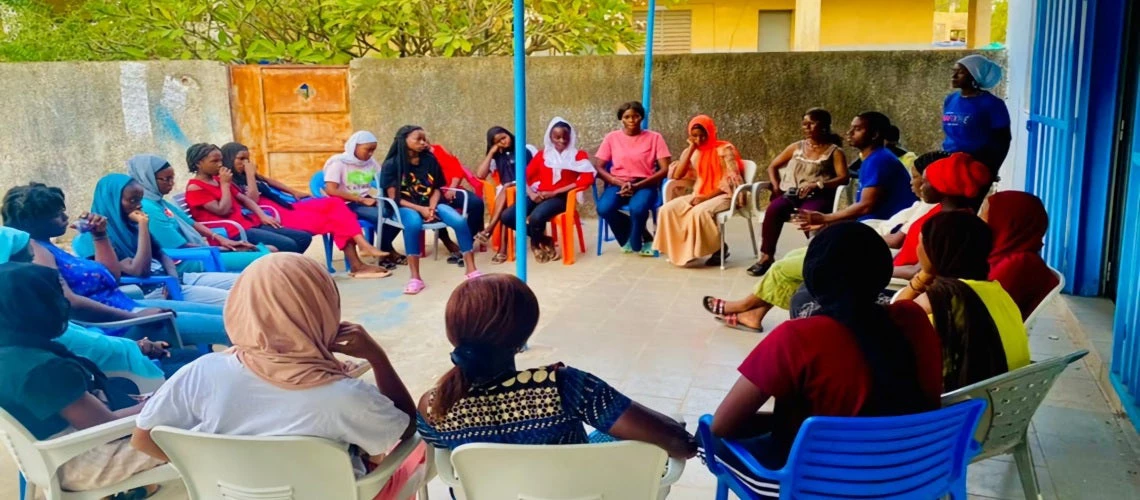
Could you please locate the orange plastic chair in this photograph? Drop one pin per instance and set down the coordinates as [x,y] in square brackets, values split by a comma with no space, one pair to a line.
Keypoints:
[563,221]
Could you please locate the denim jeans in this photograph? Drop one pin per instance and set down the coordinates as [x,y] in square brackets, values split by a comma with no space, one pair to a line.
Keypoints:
[414,228]
[537,215]
[198,324]
[640,204]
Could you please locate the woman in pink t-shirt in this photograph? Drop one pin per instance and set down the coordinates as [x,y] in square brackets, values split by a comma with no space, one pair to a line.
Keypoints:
[639,159]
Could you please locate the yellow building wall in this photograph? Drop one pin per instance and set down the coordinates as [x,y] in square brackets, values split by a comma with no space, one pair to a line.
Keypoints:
[728,25]
[859,23]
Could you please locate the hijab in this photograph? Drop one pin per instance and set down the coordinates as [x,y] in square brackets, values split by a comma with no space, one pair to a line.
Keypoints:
[122,232]
[959,175]
[142,169]
[567,159]
[986,73]
[849,295]
[348,157]
[710,167]
[12,242]
[283,316]
[1019,221]
[34,312]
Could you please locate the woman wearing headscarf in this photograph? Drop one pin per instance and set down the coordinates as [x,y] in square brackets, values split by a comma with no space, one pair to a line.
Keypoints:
[351,176]
[854,358]
[171,227]
[500,164]
[92,285]
[1019,222]
[413,178]
[979,324]
[485,382]
[50,390]
[555,171]
[118,198]
[281,377]
[974,120]
[115,356]
[306,213]
[686,225]
[211,196]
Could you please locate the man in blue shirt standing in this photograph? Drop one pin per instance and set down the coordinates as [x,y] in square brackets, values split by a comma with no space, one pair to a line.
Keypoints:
[885,182]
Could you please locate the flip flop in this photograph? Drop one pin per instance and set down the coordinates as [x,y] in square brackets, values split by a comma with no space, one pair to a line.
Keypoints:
[483,237]
[499,258]
[647,252]
[473,274]
[714,306]
[414,286]
[370,275]
[733,321]
[454,258]
[759,269]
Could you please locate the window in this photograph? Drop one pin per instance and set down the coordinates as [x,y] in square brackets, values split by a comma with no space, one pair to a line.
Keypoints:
[673,32]
[774,31]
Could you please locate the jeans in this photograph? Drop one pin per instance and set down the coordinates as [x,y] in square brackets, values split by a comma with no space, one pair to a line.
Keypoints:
[475,210]
[285,239]
[537,215]
[372,214]
[198,324]
[780,211]
[642,201]
[414,228]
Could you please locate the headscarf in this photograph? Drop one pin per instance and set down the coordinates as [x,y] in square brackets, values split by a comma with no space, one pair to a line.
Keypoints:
[123,233]
[1018,221]
[142,169]
[349,155]
[196,153]
[849,294]
[959,175]
[567,159]
[282,317]
[12,242]
[986,73]
[34,312]
[958,244]
[710,167]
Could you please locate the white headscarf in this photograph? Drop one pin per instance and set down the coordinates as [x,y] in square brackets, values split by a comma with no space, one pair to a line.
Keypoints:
[985,72]
[349,155]
[566,160]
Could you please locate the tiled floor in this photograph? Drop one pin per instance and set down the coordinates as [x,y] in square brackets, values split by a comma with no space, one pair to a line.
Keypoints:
[637,322]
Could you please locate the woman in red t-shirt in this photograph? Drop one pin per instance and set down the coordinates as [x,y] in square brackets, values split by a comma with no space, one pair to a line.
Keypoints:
[212,196]
[555,171]
[853,358]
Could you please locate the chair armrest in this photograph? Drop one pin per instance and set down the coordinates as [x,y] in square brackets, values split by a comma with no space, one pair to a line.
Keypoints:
[461,192]
[371,484]
[738,196]
[166,317]
[445,470]
[64,448]
[673,469]
[395,211]
[173,286]
[210,257]
[222,224]
[572,201]
[272,212]
[756,188]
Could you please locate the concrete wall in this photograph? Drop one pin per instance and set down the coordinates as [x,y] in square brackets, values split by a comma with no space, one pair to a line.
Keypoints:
[756,99]
[67,124]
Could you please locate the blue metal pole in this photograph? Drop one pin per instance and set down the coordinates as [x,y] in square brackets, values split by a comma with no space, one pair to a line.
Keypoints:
[520,140]
[646,83]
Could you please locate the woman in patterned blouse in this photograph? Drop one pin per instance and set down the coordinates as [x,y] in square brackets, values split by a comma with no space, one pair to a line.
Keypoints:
[484,398]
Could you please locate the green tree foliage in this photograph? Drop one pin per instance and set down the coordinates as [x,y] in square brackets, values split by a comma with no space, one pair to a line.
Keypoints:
[999,23]
[311,31]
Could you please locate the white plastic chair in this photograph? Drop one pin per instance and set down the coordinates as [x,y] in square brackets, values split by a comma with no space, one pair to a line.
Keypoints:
[39,461]
[1012,399]
[626,470]
[216,467]
[739,206]
[1048,298]
[398,222]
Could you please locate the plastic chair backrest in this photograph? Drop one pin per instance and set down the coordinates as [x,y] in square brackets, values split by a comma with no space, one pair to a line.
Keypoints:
[1048,298]
[750,171]
[910,456]
[218,467]
[180,200]
[626,470]
[840,195]
[317,184]
[1013,398]
[21,445]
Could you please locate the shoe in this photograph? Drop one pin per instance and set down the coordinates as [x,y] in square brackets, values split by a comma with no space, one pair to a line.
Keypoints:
[759,269]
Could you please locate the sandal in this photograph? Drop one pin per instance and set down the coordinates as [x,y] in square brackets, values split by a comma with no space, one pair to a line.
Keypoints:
[370,275]
[717,258]
[473,274]
[414,286]
[455,257]
[541,255]
[714,305]
[499,258]
[733,321]
[647,251]
[626,248]
[759,269]
[483,237]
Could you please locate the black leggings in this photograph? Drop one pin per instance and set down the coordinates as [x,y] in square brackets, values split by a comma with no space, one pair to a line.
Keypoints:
[538,215]
[285,239]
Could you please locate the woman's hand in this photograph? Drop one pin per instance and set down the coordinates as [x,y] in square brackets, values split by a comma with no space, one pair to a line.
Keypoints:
[225,175]
[368,201]
[449,194]
[153,350]
[96,224]
[805,219]
[138,217]
[269,221]
[807,191]
[353,340]
[235,246]
[626,189]
[697,200]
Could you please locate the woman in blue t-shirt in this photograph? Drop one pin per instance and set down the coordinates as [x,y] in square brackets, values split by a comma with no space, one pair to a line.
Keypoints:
[974,120]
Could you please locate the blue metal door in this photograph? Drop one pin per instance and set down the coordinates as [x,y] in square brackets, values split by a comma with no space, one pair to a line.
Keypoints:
[1126,327]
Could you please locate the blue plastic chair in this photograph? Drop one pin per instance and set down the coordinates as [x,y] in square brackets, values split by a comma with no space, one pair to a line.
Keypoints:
[316,187]
[210,257]
[604,233]
[921,456]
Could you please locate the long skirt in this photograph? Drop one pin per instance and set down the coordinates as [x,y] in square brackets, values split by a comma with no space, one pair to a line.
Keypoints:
[782,279]
[686,232]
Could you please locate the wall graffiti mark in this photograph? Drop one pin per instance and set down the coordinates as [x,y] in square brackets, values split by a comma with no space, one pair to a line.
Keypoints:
[135,103]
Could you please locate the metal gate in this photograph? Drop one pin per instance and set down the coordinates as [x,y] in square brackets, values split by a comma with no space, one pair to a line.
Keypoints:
[1126,327]
[1050,166]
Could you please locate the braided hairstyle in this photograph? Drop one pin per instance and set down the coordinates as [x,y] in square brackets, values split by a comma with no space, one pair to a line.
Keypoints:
[23,206]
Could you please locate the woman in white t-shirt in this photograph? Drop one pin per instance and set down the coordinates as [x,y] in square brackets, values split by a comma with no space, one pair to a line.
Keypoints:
[281,378]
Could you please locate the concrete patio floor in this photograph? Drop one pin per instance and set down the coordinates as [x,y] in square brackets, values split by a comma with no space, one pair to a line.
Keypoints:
[638,323]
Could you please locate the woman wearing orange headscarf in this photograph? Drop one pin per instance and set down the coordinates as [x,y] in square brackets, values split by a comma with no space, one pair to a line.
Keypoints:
[686,225]
[281,377]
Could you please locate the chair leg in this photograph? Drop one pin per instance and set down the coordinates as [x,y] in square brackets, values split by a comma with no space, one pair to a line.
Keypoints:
[328,254]
[435,246]
[581,233]
[752,234]
[423,493]
[721,247]
[721,490]
[23,486]
[1026,471]
[601,234]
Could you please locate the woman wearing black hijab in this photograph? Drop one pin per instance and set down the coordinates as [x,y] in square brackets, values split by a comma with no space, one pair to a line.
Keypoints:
[853,358]
[47,388]
[412,177]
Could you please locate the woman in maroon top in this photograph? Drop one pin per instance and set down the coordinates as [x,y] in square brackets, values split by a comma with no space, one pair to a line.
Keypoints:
[854,358]
[1019,222]
[212,196]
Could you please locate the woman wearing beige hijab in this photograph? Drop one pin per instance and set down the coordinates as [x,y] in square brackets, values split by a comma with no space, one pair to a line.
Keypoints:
[281,378]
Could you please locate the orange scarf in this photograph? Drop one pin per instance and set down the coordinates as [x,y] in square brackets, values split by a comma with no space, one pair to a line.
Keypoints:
[710,167]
